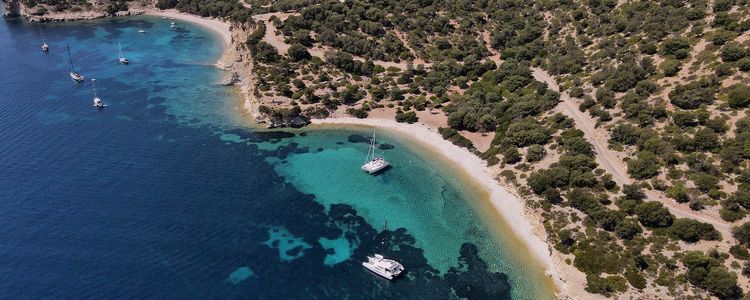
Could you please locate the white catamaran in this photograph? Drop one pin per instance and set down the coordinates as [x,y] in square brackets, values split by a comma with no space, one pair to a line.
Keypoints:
[122,59]
[73,74]
[98,103]
[386,268]
[373,163]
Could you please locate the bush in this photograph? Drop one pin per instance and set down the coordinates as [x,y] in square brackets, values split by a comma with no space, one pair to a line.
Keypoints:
[628,228]
[408,117]
[739,252]
[694,94]
[670,67]
[511,156]
[744,64]
[646,165]
[654,214]
[742,233]
[526,132]
[732,52]
[357,113]
[691,231]
[298,52]
[738,96]
[722,283]
[673,45]
[455,137]
[606,286]
[535,153]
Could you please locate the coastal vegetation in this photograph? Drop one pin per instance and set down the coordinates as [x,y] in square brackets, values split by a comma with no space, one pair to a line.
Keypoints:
[623,123]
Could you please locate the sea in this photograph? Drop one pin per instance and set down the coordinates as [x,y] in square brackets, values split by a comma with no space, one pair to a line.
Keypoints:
[169,193]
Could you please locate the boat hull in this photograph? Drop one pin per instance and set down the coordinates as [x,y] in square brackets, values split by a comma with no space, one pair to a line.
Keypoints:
[373,167]
[77,77]
[377,271]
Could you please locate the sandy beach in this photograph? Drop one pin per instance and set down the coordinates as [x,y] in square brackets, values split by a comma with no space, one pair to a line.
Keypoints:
[509,206]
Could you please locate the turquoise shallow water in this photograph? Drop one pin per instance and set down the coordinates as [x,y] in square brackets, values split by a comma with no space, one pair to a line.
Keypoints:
[166,194]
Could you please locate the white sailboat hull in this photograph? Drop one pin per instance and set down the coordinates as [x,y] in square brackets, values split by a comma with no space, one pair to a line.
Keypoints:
[375,165]
[386,268]
[76,76]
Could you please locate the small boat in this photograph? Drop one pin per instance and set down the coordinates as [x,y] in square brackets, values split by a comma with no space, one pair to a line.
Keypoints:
[45,47]
[172,18]
[163,18]
[73,73]
[98,103]
[386,268]
[172,25]
[140,29]
[374,164]
[122,59]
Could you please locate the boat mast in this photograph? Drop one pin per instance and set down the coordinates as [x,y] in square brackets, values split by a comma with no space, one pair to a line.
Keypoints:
[93,86]
[70,57]
[371,149]
[120,46]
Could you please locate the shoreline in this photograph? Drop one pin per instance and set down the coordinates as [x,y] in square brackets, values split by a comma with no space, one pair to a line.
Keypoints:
[509,207]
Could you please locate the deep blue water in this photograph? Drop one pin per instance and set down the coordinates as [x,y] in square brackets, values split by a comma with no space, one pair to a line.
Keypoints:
[166,194]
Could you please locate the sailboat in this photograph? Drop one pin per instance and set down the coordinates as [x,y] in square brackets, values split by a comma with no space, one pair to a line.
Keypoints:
[73,74]
[122,59]
[172,26]
[45,47]
[98,103]
[140,29]
[373,163]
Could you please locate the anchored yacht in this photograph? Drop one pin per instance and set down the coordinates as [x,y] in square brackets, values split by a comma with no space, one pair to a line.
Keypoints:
[386,268]
[45,47]
[73,73]
[98,103]
[122,59]
[374,164]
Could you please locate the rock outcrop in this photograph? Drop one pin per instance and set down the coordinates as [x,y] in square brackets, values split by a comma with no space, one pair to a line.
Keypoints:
[11,8]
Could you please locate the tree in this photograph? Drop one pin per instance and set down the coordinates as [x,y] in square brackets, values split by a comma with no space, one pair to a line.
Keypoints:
[738,96]
[298,52]
[654,214]
[690,230]
[628,228]
[694,94]
[407,117]
[722,283]
[526,132]
[535,153]
[732,51]
[646,165]
[742,233]
[511,155]
[673,45]
[670,67]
